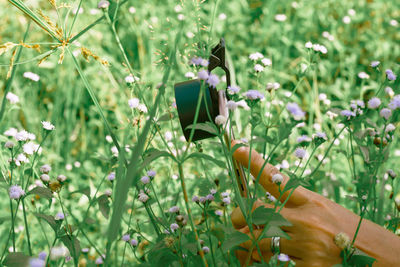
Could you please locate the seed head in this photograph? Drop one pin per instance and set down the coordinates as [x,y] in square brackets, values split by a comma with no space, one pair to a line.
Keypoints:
[342,240]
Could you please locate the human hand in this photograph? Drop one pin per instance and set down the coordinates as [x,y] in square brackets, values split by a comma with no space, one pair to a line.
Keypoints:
[315,222]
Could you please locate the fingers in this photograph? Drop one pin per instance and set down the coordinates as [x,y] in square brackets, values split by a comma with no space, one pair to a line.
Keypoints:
[298,197]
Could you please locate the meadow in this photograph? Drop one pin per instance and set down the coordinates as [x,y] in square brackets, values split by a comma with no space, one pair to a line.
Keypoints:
[95,169]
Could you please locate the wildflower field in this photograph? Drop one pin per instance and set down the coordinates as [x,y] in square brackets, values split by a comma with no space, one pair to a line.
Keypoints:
[97,167]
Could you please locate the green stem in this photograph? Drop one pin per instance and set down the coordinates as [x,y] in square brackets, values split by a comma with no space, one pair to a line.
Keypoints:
[185,195]
[26,228]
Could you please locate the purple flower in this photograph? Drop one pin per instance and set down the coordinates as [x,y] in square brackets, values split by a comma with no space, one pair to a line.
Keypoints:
[347,113]
[300,152]
[374,103]
[36,262]
[42,255]
[303,138]
[213,80]
[375,64]
[283,257]
[233,89]
[111,176]
[196,61]
[258,68]
[295,110]
[126,237]
[174,209]
[16,192]
[202,74]
[390,75]
[385,113]
[195,199]
[321,135]
[151,173]
[395,102]
[210,197]
[254,95]
[59,216]
[219,212]
[145,179]
[134,242]
[173,227]
[226,200]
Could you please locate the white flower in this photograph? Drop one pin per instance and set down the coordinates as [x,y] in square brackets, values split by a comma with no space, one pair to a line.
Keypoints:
[202,74]
[108,192]
[178,8]
[142,108]
[45,168]
[132,10]
[143,197]
[280,17]
[258,68]
[277,178]
[346,19]
[308,45]
[168,136]
[58,252]
[222,16]
[363,75]
[206,249]
[11,132]
[48,126]
[243,104]
[385,113]
[133,102]
[220,120]
[131,79]
[61,178]
[32,76]
[14,99]
[266,61]
[30,148]
[189,74]
[231,105]
[114,151]
[390,127]
[394,22]
[351,12]
[272,86]
[283,257]
[21,135]
[45,177]
[174,209]
[9,144]
[256,56]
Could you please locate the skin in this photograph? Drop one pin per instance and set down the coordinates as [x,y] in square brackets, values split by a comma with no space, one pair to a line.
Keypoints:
[315,222]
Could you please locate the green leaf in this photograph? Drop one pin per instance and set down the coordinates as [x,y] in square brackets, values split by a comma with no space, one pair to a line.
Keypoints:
[166,117]
[234,239]
[104,205]
[72,243]
[4,218]
[152,154]
[360,259]
[295,182]
[219,163]
[285,129]
[207,127]
[16,259]
[263,215]
[49,219]
[162,257]
[83,190]
[274,230]
[41,191]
